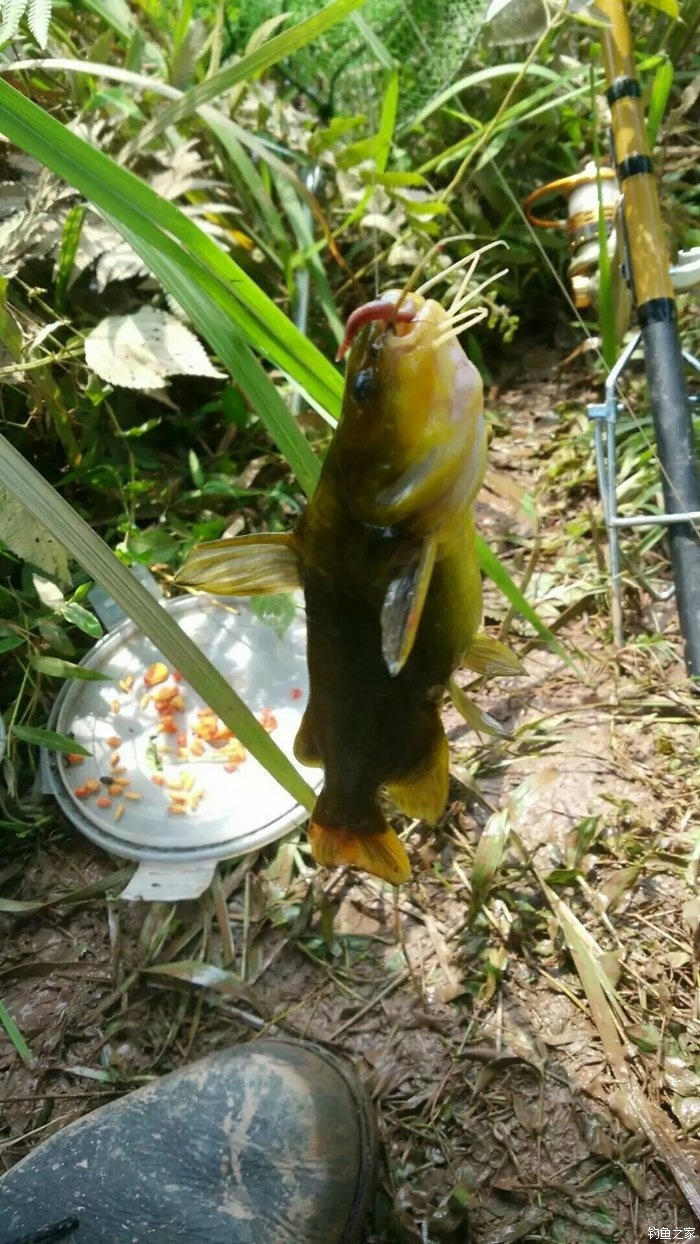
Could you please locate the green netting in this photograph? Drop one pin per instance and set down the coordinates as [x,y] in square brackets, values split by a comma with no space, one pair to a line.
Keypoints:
[427,39]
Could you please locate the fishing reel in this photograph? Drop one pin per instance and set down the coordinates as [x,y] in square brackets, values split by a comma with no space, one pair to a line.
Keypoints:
[581,224]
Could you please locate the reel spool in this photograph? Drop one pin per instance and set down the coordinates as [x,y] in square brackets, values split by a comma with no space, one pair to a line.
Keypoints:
[581,224]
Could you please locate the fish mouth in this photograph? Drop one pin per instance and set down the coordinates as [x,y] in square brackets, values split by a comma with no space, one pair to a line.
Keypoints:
[395,309]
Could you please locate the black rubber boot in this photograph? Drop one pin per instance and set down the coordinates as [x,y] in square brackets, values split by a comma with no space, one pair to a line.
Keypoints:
[266,1143]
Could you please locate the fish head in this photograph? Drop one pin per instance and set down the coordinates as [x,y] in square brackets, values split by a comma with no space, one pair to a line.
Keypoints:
[412,423]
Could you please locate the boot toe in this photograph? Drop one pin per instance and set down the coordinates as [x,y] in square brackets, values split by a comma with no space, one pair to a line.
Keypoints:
[271,1141]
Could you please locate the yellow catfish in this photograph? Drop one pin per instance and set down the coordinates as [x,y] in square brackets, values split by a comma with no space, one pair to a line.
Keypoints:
[385,553]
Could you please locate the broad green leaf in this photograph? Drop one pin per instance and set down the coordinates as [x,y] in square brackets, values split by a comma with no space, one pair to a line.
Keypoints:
[30,540]
[8,642]
[55,667]
[39,737]
[669,7]
[101,564]
[78,616]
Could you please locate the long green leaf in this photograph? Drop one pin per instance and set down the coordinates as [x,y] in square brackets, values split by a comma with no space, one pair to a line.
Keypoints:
[19,478]
[56,667]
[134,205]
[39,737]
[479,78]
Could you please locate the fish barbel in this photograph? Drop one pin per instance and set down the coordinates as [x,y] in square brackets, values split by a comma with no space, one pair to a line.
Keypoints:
[385,553]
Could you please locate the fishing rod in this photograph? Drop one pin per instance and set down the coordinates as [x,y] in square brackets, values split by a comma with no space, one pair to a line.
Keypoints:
[658,321]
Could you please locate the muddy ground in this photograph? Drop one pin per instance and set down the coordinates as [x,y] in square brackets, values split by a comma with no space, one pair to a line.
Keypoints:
[459,1000]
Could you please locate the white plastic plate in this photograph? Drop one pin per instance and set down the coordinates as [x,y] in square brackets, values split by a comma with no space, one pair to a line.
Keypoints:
[187,792]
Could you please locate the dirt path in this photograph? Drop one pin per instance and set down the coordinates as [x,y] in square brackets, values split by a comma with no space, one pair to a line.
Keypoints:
[502,1117]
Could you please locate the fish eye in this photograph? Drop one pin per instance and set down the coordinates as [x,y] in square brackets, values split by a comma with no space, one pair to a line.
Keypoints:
[364,386]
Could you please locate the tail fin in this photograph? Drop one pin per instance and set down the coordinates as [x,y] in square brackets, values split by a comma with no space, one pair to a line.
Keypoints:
[380,853]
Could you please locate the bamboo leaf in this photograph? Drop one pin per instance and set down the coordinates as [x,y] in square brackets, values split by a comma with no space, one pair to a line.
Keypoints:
[488,857]
[78,616]
[494,836]
[113,882]
[55,667]
[49,739]
[206,976]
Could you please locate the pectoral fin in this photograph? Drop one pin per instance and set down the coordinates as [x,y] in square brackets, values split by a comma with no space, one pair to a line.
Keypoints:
[423,792]
[474,717]
[244,566]
[491,657]
[403,605]
[381,854]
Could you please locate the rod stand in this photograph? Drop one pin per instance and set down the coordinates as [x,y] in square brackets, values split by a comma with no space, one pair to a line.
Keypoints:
[603,416]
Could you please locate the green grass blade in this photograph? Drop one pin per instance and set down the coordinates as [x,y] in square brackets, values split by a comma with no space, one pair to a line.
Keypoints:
[379,50]
[660,91]
[497,572]
[32,490]
[252,186]
[16,1037]
[480,78]
[252,65]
